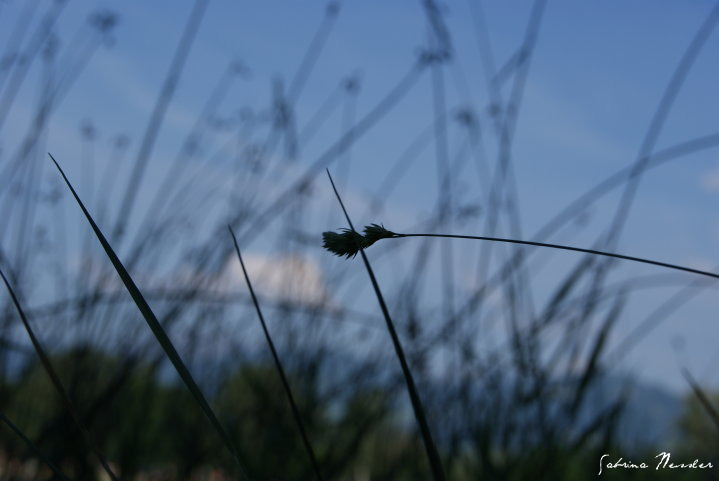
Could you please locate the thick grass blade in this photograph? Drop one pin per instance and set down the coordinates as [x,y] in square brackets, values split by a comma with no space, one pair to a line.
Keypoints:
[157,328]
[34,448]
[435,461]
[278,364]
[55,379]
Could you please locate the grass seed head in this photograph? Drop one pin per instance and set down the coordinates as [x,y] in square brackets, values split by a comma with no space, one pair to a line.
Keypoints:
[375,232]
[344,243]
[347,243]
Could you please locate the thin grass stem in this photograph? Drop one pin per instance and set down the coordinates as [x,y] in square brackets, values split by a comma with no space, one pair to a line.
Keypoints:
[345,244]
[58,472]
[432,454]
[278,364]
[55,379]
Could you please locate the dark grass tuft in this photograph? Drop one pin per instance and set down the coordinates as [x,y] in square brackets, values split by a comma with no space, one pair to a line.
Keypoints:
[347,242]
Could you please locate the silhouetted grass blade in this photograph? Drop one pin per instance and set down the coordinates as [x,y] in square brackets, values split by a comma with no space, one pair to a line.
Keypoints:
[348,243]
[156,327]
[375,233]
[34,448]
[47,365]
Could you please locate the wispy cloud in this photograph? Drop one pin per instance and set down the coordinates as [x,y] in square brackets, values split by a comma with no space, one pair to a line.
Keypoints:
[291,278]
[295,279]
[710,180]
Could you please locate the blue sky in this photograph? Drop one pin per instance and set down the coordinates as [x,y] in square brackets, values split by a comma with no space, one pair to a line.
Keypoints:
[597,75]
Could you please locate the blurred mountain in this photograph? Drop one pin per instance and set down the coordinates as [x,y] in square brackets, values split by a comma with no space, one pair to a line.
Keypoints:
[651,414]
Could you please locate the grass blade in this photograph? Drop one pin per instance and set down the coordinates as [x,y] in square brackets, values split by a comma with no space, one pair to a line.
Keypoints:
[350,242]
[278,364]
[34,448]
[432,454]
[55,379]
[157,328]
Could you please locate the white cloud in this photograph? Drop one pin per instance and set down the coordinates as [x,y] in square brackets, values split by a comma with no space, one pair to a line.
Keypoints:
[283,278]
[290,278]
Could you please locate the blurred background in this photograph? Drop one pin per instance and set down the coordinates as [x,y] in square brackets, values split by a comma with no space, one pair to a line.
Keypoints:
[554,121]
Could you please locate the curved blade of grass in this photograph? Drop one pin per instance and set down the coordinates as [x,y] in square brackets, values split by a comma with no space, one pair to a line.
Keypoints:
[157,328]
[574,249]
[432,454]
[34,448]
[278,364]
[345,245]
[55,379]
